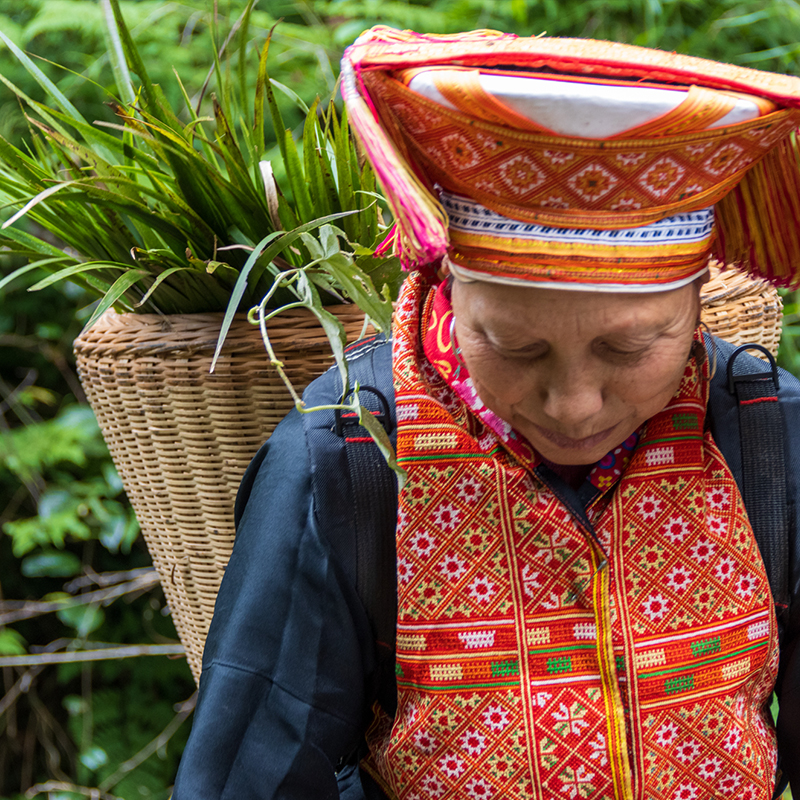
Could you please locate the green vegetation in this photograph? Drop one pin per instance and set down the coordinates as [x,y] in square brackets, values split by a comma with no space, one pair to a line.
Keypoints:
[75,576]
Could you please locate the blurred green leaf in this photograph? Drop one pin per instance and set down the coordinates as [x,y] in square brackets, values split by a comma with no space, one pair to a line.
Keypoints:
[51,563]
[12,643]
[83,618]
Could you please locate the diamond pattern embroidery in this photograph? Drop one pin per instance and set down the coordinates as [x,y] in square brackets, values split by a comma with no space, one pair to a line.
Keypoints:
[662,177]
[493,166]
[593,182]
[520,175]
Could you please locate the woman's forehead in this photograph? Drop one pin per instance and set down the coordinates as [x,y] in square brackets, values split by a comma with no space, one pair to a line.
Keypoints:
[513,309]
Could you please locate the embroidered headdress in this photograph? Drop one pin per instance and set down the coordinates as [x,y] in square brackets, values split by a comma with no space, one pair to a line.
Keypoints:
[577,163]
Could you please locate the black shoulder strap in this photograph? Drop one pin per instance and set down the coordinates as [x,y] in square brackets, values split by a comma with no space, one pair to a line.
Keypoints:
[355,493]
[764,467]
[760,463]
[374,491]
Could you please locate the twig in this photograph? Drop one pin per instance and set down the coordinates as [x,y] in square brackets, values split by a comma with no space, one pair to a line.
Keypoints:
[160,741]
[25,681]
[59,786]
[105,654]
[14,610]
[20,687]
[48,725]
[107,578]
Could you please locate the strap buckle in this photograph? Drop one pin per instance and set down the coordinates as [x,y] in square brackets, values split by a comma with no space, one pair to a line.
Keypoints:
[756,376]
[350,419]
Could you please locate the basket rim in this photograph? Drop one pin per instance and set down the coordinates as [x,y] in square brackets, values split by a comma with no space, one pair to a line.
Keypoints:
[191,334]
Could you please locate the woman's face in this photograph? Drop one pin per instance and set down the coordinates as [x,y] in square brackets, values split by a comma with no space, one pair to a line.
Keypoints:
[575,372]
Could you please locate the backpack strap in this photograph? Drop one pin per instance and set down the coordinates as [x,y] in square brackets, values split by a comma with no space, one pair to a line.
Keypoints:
[764,467]
[374,504]
[753,446]
[355,492]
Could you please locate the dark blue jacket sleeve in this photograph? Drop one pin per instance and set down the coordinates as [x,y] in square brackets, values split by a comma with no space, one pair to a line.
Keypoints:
[289,652]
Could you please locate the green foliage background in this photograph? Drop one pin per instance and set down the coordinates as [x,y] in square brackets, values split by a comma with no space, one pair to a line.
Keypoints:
[63,514]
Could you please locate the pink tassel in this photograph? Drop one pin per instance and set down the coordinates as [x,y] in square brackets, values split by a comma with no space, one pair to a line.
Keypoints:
[421,237]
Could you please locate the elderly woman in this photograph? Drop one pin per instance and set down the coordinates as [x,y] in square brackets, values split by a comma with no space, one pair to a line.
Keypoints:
[582,610]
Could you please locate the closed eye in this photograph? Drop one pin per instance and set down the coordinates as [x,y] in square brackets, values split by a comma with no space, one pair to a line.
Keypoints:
[622,353]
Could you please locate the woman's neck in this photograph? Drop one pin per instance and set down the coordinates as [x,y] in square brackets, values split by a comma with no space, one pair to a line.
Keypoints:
[572,474]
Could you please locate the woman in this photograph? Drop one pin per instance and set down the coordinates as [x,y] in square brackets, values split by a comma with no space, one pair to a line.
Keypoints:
[582,608]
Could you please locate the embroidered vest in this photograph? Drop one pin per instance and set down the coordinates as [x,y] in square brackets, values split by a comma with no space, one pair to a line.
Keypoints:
[538,656]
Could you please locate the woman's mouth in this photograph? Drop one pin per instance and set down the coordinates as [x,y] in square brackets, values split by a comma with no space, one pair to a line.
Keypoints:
[568,443]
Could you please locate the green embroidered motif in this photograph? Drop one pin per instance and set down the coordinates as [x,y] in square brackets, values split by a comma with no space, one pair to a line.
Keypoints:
[502,669]
[398,670]
[556,665]
[620,660]
[705,646]
[682,684]
[684,422]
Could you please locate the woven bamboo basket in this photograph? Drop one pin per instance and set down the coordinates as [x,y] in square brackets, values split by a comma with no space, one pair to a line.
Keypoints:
[741,309]
[181,438]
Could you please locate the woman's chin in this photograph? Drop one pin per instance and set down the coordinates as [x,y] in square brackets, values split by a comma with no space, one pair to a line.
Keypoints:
[562,449]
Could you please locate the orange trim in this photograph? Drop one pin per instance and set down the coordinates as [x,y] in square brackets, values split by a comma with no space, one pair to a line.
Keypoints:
[381,49]
[572,270]
[526,247]
[699,110]
[615,711]
[463,89]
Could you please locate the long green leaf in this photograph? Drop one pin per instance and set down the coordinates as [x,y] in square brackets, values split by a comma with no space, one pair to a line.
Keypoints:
[195,129]
[157,282]
[108,147]
[242,66]
[34,243]
[76,269]
[267,254]
[58,97]
[134,59]
[384,443]
[226,138]
[297,180]
[35,202]
[291,94]
[118,288]
[275,113]
[313,168]
[116,55]
[17,273]
[344,171]
[238,293]
[258,110]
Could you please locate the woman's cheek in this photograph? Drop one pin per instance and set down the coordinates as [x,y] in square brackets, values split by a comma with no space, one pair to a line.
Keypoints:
[659,379]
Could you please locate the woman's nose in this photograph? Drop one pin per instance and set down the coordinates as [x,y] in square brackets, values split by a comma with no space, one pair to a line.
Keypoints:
[571,397]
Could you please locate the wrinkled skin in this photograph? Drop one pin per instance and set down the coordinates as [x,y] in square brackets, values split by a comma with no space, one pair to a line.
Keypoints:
[575,372]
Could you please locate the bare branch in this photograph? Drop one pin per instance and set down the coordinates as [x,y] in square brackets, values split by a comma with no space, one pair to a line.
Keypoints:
[104,579]
[15,610]
[20,687]
[160,741]
[104,654]
[58,786]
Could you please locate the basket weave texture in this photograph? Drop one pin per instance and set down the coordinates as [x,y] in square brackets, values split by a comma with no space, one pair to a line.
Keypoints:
[742,309]
[182,438]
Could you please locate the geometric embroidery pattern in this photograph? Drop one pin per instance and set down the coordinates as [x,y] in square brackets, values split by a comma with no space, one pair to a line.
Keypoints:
[534,661]
[625,183]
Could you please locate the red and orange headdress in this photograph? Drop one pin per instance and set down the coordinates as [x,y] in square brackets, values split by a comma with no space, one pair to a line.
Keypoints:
[577,163]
